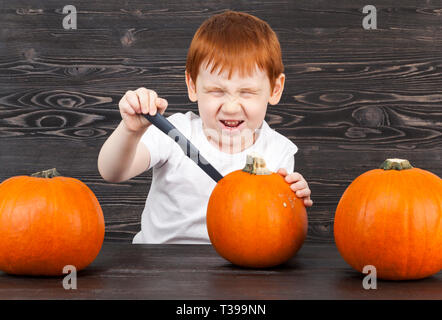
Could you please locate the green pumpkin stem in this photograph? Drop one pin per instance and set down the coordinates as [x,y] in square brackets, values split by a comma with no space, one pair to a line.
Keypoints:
[256,165]
[46,173]
[396,164]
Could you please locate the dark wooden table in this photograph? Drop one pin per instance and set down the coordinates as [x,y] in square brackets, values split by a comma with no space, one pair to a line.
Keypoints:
[126,271]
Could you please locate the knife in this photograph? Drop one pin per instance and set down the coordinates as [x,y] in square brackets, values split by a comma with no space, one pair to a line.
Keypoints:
[159,121]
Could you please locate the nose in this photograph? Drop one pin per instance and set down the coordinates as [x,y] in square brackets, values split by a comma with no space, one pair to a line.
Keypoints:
[232,105]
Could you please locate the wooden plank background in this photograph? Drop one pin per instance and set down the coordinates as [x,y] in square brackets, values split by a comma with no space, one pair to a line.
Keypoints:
[353,97]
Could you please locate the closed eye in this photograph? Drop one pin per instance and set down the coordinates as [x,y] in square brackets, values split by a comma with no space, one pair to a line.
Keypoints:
[216,92]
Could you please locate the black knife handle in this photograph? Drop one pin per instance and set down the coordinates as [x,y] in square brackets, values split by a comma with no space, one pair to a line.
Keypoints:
[159,121]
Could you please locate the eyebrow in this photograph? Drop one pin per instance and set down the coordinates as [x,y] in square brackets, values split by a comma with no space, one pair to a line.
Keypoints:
[213,87]
[254,89]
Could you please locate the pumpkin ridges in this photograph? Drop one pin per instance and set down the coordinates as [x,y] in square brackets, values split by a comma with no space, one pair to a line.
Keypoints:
[238,236]
[232,229]
[437,235]
[407,208]
[408,225]
[417,216]
[76,190]
[425,240]
[353,220]
[88,227]
[5,213]
[434,185]
[267,217]
[345,222]
[418,269]
[46,239]
[36,245]
[392,216]
[14,230]
[369,257]
[59,189]
[388,220]
[364,245]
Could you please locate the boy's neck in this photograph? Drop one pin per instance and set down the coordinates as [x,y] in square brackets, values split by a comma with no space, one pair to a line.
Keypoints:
[228,145]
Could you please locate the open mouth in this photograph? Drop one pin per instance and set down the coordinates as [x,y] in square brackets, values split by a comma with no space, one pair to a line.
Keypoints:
[231,124]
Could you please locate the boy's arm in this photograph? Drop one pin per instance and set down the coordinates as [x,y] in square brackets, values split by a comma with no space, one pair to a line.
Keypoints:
[123,156]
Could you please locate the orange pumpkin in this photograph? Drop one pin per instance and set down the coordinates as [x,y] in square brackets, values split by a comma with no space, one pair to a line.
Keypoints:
[254,219]
[47,222]
[391,218]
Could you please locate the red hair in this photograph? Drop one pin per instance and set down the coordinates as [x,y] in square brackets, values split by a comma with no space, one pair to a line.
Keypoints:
[235,41]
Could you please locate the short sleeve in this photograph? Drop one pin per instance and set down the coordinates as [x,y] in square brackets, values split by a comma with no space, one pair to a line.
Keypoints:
[159,144]
[288,157]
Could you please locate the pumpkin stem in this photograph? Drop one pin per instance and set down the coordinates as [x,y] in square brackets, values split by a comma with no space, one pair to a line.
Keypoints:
[396,164]
[46,173]
[256,165]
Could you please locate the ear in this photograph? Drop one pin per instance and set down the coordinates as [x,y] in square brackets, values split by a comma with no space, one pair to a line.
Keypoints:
[276,94]
[191,88]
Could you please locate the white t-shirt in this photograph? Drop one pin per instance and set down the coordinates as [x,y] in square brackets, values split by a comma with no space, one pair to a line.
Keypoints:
[175,209]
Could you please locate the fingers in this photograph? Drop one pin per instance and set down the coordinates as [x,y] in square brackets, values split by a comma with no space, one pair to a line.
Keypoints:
[293,177]
[302,193]
[147,100]
[132,99]
[161,104]
[143,98]
[300,185]
[125,107]
[308,202]
[142,101]
[152,103]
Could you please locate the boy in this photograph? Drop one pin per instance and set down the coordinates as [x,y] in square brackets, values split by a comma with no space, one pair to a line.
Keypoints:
[233,70]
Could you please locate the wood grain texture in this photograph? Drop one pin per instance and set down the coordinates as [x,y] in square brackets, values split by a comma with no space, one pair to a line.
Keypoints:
[155,272]
[353,97]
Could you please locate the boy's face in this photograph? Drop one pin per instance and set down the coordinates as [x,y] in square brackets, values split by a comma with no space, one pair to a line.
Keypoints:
[242,99]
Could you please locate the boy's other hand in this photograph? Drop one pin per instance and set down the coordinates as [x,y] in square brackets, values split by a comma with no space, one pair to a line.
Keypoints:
[298,185]
[135,104]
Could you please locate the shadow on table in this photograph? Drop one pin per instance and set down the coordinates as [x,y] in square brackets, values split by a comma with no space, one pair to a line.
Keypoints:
[351,284]
[289,266]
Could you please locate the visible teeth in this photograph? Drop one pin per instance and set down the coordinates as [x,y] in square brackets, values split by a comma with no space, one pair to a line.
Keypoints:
[232,123]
